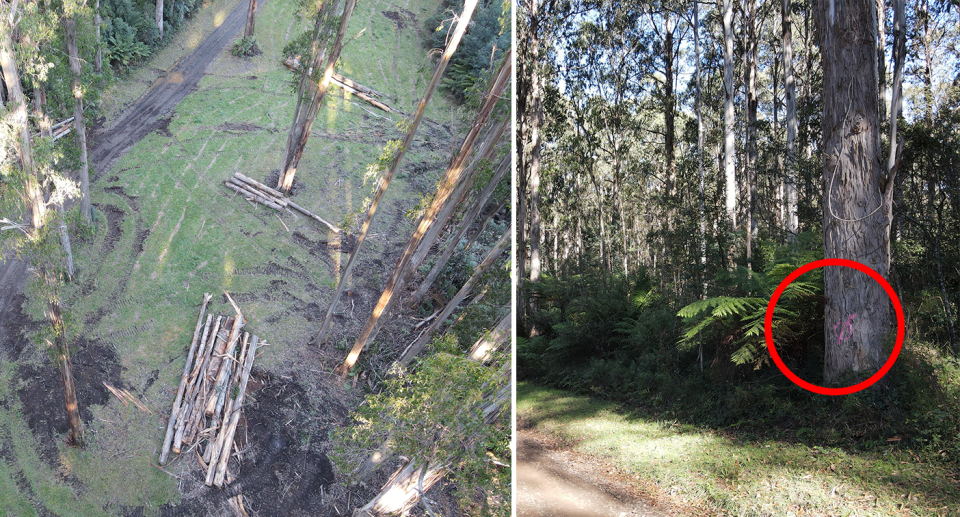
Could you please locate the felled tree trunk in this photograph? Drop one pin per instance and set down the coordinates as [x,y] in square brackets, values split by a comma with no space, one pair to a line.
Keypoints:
[403,490]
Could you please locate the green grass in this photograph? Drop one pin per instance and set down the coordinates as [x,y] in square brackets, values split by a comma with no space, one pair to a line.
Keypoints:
[182,233]
[732,476]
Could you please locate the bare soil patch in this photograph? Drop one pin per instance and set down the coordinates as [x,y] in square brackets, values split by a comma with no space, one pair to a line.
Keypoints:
[552,481]
[42,393]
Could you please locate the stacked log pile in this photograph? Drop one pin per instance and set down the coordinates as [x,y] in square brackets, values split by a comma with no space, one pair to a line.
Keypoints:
[254,191]
[211,393]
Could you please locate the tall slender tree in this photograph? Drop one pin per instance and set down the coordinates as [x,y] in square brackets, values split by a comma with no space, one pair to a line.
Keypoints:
[79,125]
[729,150]
[37,204]
[395,160]
[313,85]
[790,98]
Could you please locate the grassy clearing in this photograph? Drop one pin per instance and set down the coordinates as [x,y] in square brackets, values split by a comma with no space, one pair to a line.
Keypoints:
[131,86]
[167,231]
[733,476]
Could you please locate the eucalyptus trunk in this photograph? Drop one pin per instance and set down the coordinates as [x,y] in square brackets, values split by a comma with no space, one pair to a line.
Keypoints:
[729,167]
[454,42]
[857,192]
[70,26]
[790,98]
[306,113]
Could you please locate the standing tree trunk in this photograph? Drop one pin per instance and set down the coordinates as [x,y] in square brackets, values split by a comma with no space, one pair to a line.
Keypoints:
[98,59]
[750,84]
[468,219]
[18,105]
[414,349]
[701,190]
[251,20]
[63,357]
[306,114]
[452,45]
[70,26]
[857,192]
[669,107]
[432,221]
[534,122]
[790,96]
[729,149]
[159,19]
[881,58]
[35,200]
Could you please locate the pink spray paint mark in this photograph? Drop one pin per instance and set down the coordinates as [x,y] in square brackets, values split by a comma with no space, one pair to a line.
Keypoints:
[848,325]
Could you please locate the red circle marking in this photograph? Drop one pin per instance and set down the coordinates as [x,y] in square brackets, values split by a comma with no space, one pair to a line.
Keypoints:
[768,327]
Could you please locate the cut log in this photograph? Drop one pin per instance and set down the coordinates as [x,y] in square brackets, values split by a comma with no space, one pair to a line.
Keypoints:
[357,86]
[231,429]
[314,216]
[265,195]
[259,186]
[258,192]
[249,196]
[216,357]
[168,436]
[226,365]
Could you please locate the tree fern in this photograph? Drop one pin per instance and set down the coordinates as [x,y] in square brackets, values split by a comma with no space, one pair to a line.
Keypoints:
[740,319]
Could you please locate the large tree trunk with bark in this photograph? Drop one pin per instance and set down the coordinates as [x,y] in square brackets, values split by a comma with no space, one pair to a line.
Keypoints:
[63,358]
[750,87]
[18,105]
[98,59]
[70,26]
[465,224]
[159,19]
[251,20]
[452,186]
[534,123]
[857,192]
[414,349]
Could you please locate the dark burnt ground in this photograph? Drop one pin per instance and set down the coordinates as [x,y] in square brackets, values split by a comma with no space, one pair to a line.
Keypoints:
[41,394]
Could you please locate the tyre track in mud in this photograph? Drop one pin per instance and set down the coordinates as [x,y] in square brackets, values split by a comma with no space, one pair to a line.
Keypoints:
[149,112]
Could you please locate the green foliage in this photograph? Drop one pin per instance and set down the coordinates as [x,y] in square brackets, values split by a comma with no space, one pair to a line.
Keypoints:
[245,47]
[124,48]
[741,318]
[481,48]
[434,415]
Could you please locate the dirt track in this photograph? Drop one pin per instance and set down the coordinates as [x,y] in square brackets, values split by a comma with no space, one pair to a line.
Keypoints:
[552,482]
[159,101]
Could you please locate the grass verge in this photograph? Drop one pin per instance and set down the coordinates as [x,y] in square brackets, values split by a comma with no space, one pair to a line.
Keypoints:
[743,477]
